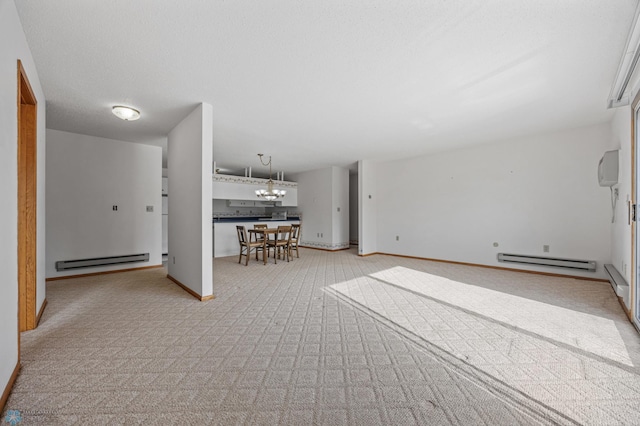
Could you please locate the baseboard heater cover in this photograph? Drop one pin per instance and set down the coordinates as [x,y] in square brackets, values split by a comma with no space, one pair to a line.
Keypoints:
[620,285]
[581,265]
[63,265]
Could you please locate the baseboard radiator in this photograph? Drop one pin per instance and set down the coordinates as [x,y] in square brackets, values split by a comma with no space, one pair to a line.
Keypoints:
[581,265]
[63,265]
[618,282]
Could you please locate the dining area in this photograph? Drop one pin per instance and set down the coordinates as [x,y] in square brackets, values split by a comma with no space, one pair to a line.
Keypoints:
[283,240]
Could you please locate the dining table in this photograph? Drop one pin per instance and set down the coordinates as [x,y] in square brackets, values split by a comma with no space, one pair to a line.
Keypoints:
[264,232]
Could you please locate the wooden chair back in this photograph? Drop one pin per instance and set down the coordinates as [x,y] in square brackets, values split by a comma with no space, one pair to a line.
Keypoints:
[242,235]
[295,232]
[294,239]
[281,240]
[283,233]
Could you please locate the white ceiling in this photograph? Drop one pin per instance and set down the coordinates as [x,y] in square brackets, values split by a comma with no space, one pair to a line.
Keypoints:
[325,82]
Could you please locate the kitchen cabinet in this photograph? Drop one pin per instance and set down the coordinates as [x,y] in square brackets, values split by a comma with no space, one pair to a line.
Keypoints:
[289,200]
[241,203]
[225,187]
[282,202]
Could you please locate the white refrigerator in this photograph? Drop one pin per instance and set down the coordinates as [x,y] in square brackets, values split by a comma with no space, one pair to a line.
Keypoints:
[165,216]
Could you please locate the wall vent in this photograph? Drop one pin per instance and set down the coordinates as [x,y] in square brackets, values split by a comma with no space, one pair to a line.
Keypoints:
[581,265]
[63,265]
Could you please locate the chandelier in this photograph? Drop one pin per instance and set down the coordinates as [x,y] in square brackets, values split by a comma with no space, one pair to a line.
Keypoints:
[269,194]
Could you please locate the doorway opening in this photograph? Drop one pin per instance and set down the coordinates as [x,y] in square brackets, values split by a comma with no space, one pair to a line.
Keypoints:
[27,174]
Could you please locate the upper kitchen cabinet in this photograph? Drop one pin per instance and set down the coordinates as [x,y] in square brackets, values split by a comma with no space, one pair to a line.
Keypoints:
[289,200]
[241,203]
[226,187]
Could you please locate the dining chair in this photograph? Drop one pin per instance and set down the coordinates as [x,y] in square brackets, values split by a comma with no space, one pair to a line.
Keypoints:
[260,237]
[294,239]
[246,245]
[280,241]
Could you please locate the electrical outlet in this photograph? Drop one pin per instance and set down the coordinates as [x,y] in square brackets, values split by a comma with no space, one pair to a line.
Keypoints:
[115,208]
[496,244]
[397,237]
[150,209]
[545,248]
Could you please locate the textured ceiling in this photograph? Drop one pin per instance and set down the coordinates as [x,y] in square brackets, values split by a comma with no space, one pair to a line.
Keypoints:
[318,83]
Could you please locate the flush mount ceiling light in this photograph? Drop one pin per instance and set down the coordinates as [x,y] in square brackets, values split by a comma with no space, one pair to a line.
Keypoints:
[126,113]
[269,194]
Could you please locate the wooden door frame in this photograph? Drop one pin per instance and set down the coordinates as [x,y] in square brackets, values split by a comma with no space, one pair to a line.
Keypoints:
[27,202]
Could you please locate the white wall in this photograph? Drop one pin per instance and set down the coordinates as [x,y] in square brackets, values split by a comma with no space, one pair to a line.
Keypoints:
[14,47]
[353,208]
[86,177]
[320,193]
[190,154]
[621,229]
[522,194]
[314,202]
[367,208]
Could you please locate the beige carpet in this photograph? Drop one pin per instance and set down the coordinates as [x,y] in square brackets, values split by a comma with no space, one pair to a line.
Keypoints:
[333,339]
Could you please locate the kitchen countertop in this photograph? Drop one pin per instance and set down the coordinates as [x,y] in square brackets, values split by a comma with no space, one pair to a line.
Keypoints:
[230,219]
